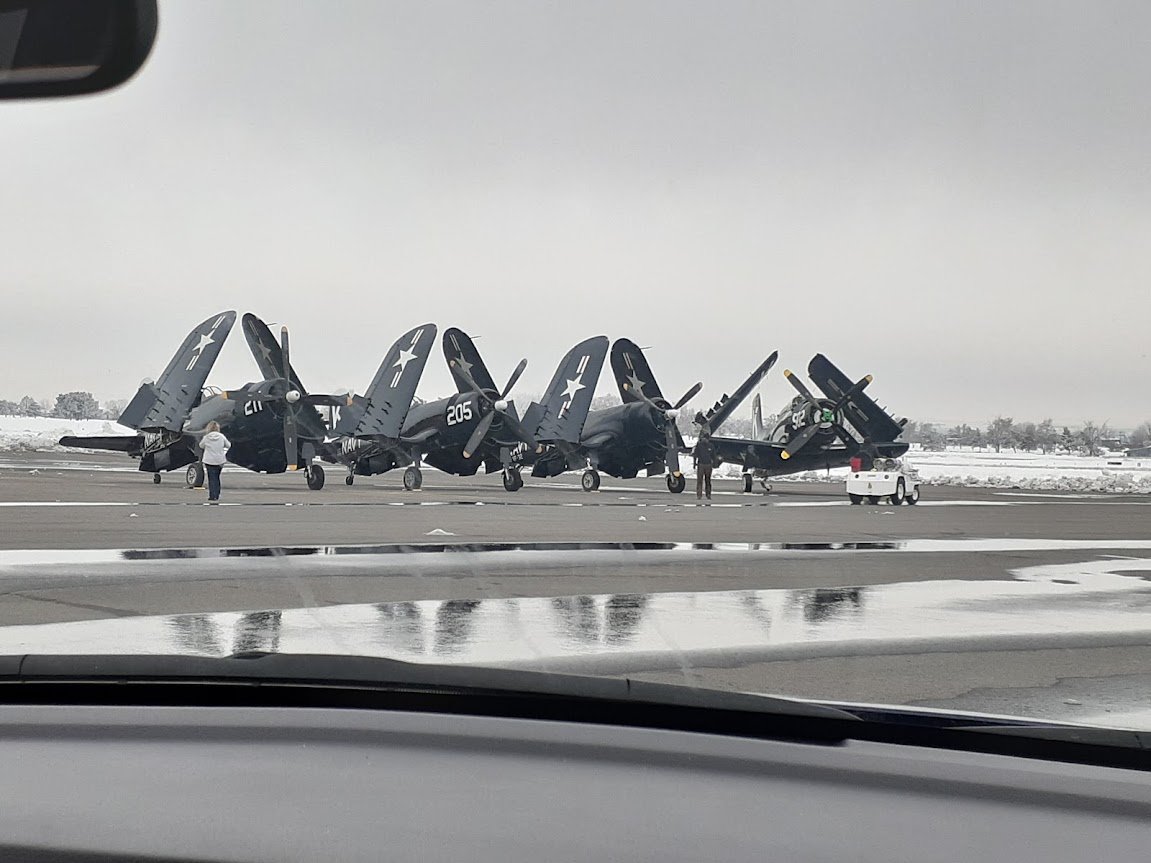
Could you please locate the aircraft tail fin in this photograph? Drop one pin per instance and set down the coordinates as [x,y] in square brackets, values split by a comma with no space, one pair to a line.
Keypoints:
[727,404]
[633,375]
[868,418]
[463,357]
[561,414]
[165,403]
[389,396]
[757,430]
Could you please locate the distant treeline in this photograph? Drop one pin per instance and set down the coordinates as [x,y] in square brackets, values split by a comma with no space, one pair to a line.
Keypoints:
[71,406]
[1003,432]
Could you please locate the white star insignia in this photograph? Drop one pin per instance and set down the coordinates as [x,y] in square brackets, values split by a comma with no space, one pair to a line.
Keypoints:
[636,383]
[205,340]
[464,364]
[406,357]
[573,387]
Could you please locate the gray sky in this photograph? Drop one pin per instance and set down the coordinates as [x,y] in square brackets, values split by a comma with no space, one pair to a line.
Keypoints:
[715,180]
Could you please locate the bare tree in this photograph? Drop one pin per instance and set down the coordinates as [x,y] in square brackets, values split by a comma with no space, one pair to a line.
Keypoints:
[1091,436]
[1001,432]
[1141,436]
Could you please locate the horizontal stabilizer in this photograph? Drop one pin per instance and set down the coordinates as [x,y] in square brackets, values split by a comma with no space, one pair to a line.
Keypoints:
[131,444]
[726,406]
[166,403]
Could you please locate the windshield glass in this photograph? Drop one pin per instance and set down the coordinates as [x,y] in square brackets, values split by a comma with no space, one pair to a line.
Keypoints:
[781,348]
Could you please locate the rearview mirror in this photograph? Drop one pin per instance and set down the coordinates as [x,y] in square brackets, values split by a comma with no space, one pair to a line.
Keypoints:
[70,47]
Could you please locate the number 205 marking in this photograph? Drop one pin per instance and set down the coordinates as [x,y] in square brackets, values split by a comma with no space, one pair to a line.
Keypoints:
[458,413]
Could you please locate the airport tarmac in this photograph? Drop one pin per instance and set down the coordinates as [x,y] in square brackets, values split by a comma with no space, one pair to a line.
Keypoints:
[87,540]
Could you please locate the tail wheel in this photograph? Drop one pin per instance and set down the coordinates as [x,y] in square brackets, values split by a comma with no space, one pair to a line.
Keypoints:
[856,499]
[512,480]
[156,478]
[349,479]
[413,478]
[912,498]
[676,482]
[746,482]
[194,475]
[899,494]
[590,480]
[314,474]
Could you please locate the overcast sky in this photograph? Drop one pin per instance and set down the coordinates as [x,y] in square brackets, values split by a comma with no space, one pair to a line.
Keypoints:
[954,197]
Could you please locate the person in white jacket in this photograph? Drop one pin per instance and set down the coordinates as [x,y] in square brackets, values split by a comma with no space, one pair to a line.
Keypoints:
[215,447]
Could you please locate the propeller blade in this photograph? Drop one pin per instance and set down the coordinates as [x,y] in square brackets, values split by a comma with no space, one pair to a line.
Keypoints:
[466,375]
[291,451]
[859,387]
[284,354]
[688,396]
[844,435]
[479,434]
[517,429]
[515,377]
[799,440]
[800,387]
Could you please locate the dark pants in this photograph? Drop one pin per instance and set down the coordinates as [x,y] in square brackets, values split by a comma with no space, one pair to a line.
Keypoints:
[213,480]
[702,479]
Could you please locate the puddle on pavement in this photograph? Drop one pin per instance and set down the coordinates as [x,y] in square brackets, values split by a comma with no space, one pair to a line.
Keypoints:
[22,557]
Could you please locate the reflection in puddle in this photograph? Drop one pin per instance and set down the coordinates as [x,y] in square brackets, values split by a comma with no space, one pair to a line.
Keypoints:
[31,557]
[1040,607]
[196,633]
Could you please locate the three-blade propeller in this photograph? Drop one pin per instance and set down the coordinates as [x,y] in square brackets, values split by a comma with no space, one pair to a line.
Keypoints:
[497,403]
[822,416]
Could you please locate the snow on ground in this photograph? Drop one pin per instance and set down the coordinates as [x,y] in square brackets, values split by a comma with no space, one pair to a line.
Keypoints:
[955,467]
[1020,470]
[40,434]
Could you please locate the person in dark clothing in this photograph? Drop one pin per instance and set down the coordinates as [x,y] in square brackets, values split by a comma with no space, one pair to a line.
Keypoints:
[867,455]
[704,458]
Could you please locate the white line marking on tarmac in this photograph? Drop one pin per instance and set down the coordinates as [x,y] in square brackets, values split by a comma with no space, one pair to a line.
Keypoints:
[31,503]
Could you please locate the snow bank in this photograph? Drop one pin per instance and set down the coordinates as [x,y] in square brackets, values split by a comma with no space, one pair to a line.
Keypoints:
[1109,474]
[40,434]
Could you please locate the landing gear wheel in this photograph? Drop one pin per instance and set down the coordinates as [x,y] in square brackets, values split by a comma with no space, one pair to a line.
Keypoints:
[590,480]
[899,494]
[349,479]
[314,474]
[413,478]
[746,483]
[156,478]
[912,498]
[512,480]
[873,500]
[676,483]
[194,476]
[856,499]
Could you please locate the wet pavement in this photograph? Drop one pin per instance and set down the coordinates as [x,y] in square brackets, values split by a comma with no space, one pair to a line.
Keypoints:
[975,599]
